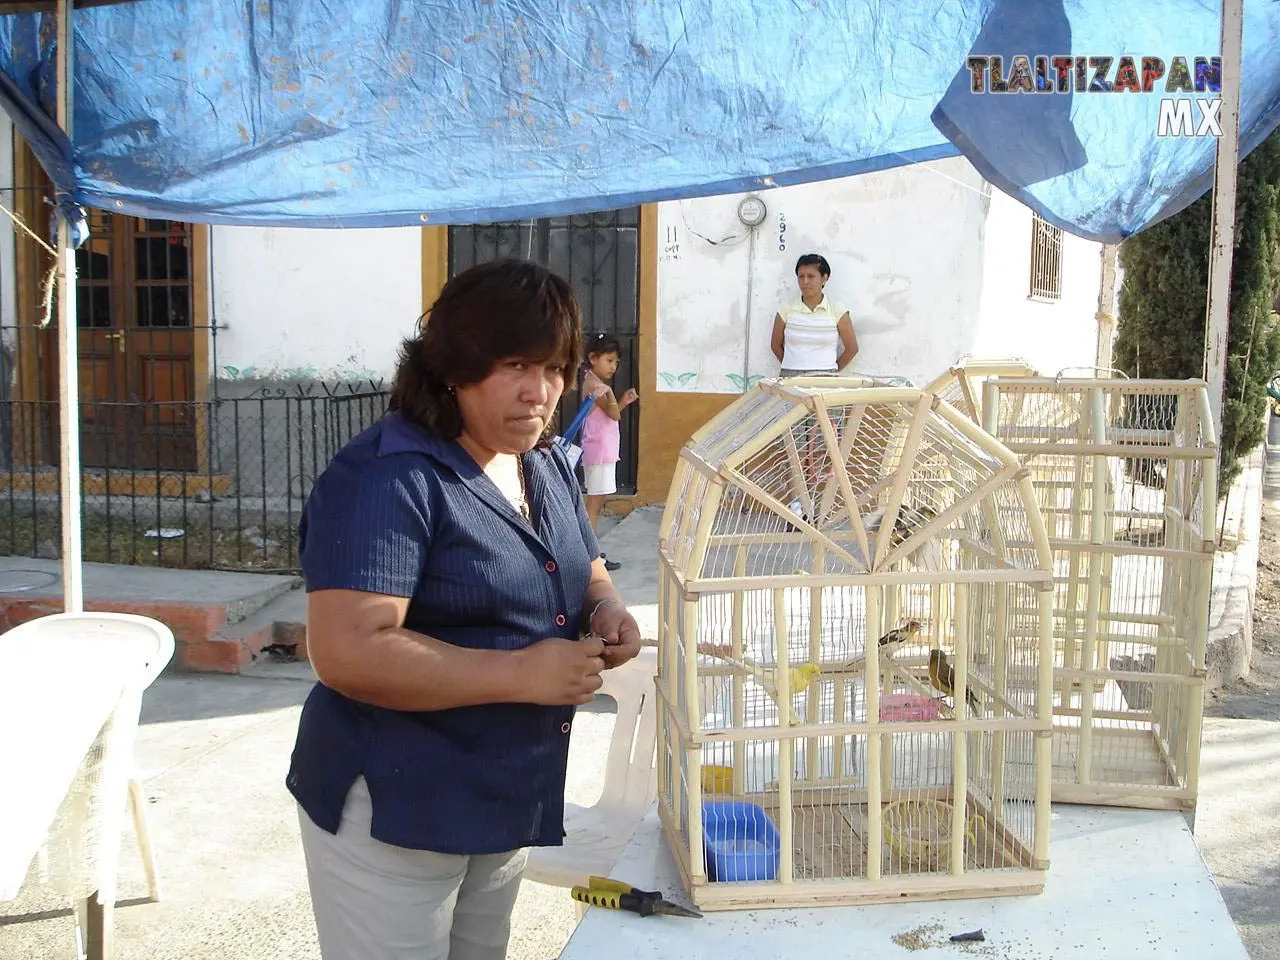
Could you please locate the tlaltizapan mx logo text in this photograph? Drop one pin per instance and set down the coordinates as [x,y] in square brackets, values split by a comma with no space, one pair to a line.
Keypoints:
[1191,88]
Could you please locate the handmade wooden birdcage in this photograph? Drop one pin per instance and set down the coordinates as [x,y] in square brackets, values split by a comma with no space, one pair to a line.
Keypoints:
[1124,474]
[845,714]
[961,383]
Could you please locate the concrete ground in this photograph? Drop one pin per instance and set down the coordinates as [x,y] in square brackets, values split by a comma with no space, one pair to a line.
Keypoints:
[1238,819]
[1237,825]
[213,751]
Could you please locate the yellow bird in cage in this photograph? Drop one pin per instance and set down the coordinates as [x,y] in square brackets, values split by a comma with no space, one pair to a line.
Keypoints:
[800,676]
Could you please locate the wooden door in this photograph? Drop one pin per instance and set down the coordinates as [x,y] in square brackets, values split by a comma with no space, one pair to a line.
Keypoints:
[158,345]
[143,329]
[134,305]
[101,362]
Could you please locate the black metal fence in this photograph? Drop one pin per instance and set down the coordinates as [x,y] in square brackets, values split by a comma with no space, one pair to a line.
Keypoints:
[257,458]
[172,477]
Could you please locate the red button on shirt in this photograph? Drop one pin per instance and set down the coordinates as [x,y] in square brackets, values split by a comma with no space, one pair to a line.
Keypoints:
[559,619]
[551,566]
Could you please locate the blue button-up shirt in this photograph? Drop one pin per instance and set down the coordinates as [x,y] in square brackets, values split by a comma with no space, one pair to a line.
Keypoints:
[401,513]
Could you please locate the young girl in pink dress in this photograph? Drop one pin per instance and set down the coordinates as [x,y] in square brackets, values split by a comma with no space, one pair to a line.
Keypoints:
[600,433]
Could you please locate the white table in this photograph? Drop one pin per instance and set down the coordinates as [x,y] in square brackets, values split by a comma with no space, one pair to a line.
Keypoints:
[68,715]
[1122,885]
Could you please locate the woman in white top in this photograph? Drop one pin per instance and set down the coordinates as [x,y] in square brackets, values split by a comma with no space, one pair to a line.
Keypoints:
[812,335]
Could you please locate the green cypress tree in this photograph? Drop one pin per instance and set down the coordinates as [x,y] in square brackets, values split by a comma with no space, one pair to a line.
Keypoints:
[1160,331]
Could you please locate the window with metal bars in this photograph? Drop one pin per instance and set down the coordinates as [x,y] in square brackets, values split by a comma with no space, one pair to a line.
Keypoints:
[1046,259]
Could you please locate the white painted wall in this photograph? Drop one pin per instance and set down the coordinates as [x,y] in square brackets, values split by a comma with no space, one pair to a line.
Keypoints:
[1050,335]
[906,255]
[931,262]
[302,303]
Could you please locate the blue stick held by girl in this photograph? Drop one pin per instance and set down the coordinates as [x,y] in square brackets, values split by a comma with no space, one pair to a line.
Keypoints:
[601,436]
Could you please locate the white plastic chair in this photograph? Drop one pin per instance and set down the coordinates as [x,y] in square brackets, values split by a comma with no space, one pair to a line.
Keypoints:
[156,645]
[597,835]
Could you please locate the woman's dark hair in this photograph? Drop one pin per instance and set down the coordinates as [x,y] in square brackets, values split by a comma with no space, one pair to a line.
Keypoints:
[603,343]
[814,260]
[489,312]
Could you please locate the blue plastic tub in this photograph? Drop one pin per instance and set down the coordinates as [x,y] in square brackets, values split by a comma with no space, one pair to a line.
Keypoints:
[740,841]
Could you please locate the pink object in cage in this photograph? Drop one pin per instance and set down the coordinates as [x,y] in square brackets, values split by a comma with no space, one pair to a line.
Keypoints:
[908,706]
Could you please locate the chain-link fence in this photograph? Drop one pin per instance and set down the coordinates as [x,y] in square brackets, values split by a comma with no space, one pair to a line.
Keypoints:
[245,466]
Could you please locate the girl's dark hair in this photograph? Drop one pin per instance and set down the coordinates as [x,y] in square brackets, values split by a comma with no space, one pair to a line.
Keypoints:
[603,343]
[488,313]
[814,260]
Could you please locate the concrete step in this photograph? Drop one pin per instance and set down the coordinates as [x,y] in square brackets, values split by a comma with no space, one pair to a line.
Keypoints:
[291,622]
[197,605]
[280,588]
[275,632]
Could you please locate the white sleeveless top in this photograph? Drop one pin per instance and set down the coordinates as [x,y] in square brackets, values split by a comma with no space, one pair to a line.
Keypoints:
[810,338]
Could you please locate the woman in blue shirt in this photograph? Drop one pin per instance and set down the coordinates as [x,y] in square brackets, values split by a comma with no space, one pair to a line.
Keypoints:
[451,573]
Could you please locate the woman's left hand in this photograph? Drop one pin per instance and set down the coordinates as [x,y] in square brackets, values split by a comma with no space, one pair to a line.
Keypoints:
[614,624]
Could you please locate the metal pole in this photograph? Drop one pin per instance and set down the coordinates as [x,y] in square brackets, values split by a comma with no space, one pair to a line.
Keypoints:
[746,334]
[68,366]
[1222,239]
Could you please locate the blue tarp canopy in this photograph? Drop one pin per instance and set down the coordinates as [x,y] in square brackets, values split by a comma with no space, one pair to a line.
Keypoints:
[361,113]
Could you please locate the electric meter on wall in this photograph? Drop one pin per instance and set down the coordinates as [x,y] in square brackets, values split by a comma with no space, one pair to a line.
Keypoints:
[752,211]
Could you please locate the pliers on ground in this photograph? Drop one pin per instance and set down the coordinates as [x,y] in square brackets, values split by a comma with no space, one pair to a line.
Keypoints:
[616,895]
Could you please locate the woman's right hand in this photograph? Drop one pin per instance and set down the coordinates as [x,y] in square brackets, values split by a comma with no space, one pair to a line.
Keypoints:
[558,672]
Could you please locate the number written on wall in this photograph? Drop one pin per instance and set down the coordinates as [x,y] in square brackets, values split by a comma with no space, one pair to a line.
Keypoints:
[782,231]
[671,245]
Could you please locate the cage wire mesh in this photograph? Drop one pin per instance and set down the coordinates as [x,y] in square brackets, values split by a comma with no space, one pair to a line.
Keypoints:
[854,611]
[961,384]
[1122,471]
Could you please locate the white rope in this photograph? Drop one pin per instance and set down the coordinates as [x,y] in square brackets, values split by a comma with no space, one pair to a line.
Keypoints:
[929,165]
[47,286]
[50,278]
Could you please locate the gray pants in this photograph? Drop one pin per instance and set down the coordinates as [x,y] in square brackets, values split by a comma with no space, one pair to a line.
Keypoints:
[788,374]
[375,901]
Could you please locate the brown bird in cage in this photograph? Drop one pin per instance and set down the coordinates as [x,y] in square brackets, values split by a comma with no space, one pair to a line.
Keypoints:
[889,644]
[896,637]
[943,677]
[910,520]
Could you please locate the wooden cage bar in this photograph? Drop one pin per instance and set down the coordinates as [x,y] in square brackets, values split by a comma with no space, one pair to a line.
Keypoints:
[1108,457]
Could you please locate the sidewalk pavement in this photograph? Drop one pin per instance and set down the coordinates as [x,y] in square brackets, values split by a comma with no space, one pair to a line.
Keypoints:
[1235,572]
[213,751]
[1238,818]
[1237,826]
